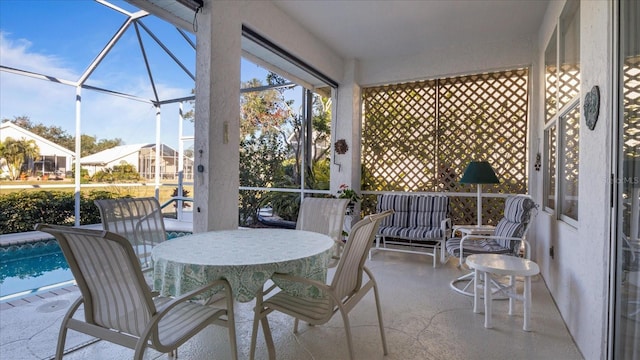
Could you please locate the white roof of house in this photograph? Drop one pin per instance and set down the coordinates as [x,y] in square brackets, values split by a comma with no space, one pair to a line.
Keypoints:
[106,156]
[9,129]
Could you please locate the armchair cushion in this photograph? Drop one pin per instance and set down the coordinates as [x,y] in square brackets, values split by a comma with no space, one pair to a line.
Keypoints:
[428,212]
[518,209]
[400,206]
[481,246]
[517,212]
[412,232]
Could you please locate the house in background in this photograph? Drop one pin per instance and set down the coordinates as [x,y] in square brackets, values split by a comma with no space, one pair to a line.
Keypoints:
[143,159]
[53,160]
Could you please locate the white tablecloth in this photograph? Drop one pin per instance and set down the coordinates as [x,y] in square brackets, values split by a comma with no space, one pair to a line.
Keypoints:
[247,258]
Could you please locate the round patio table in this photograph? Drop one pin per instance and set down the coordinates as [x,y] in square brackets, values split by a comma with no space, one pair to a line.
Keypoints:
[246,258]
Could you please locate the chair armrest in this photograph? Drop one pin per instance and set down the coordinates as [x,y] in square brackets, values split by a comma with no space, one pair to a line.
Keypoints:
[190,295]
[527,246]
[326,289]
[300,279]
[445,226]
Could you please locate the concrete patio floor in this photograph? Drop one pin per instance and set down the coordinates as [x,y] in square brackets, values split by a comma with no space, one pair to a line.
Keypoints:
[424,319]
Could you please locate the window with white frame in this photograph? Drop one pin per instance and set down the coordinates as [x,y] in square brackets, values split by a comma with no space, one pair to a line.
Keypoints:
[569,161]
[562,115]
[550,136]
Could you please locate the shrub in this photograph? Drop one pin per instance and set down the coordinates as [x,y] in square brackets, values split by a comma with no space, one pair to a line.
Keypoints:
[21,211]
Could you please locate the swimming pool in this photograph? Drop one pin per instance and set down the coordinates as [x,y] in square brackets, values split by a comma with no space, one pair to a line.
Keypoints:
[38,266]
[27,268]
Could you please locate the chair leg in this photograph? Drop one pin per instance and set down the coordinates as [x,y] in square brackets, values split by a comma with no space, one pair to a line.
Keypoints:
[347,329]
[268,338]
[379,310]
[254,332]
[435,255]
[260,315]
[231,325]
[62,334]
[139,351]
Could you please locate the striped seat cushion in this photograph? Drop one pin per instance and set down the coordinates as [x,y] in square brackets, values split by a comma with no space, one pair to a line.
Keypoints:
[416,217]
[476,247]
[411,232]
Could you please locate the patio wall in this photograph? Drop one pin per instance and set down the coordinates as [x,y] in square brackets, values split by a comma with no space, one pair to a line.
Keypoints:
[578,275]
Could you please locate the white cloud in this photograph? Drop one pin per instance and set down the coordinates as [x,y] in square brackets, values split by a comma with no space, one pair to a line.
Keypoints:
[17,54]
[104,116]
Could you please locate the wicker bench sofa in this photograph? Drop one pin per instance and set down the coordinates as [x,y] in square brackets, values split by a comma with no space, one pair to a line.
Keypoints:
[420,224]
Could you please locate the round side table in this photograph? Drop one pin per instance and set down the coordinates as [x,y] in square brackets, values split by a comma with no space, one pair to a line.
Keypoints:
[486,264]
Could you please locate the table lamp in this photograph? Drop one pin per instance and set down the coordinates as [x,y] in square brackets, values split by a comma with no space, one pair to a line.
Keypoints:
[479,172]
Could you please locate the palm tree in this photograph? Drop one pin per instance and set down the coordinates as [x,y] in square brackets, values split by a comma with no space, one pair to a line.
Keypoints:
[15,152]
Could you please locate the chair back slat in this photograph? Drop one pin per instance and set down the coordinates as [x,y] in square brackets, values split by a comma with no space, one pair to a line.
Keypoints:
[348,276]
[139,220]
[109,277]
[322,215]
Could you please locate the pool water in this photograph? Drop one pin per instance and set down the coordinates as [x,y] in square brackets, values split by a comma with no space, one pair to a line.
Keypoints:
[31,267]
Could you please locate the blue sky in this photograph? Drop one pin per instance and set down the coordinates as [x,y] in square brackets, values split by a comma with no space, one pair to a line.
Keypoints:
[60,38]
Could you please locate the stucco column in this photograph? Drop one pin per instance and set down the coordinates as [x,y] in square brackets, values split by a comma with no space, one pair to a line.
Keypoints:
[348,127]
[217,114]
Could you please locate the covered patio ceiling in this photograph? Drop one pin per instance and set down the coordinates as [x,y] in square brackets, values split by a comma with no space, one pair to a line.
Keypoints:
[369,29]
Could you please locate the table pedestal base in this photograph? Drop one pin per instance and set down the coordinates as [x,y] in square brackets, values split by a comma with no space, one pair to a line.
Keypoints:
[464,286]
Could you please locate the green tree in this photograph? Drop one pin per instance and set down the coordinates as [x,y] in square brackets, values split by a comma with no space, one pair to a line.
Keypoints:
[265,126]
[52,133]
[89,144]
[261,165]
[121,172]
[16,152]
[262,111]
[320,143]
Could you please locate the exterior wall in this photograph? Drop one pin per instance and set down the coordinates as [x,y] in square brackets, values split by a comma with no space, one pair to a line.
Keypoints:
[131,159]
[578,275]
[46,148]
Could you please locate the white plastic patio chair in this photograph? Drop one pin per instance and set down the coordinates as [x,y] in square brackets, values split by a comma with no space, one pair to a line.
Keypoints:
[139,220]
[119,307]
[325,216]
[342,295]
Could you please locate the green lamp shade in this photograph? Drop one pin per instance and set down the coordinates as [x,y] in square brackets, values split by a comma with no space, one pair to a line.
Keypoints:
[479,172]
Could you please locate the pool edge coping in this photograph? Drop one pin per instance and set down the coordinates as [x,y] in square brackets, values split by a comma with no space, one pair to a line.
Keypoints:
[11,304]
